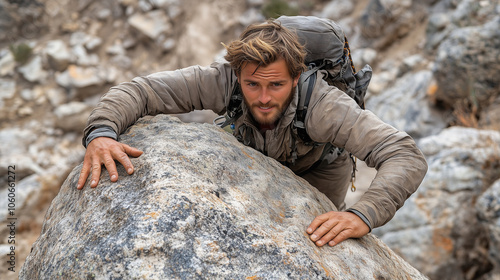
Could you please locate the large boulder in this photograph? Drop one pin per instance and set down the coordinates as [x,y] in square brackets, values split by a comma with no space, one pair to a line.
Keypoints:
[199,205]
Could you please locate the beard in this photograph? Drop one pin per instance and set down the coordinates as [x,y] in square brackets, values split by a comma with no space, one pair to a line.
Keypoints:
[271,118]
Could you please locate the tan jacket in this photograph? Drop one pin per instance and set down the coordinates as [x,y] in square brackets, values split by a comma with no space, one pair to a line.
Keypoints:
[332,117]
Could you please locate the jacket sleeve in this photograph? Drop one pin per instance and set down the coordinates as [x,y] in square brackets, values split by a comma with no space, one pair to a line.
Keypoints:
[400,165]
[168,92]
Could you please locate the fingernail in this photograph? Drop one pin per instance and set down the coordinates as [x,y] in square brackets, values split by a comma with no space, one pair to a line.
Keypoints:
[313,237]
[113,177]
[129,170]
[309,230]
[93,182]
[319,243]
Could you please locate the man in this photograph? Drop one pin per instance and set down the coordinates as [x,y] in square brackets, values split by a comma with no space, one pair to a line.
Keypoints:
[266,63]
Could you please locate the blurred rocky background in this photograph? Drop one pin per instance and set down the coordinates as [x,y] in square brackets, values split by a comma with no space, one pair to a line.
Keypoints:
[436,67]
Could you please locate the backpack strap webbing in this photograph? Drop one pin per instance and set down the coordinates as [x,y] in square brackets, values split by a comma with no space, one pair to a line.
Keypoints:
[234,109]
[347,51]
[306,85]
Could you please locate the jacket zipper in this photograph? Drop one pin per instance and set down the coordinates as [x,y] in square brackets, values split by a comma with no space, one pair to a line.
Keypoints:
[260,136]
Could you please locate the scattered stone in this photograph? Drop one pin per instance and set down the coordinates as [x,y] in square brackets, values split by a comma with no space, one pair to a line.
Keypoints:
[151,24]
[93,43]
[103,14]
[129,42]
[337,9]
[14,150]
[58,55]
[174,11]
[25,111]
[33,70]
[83,58]
[145,6]
[363,56]
[70,27]
[78,38]
[116,49]
[212,208]
[27,94]
[168,45]
[84,80]
[122,61]
[250,16]
[256,3]
[56,96]
[72,116]
[7,89]
[412,63]
[7,63]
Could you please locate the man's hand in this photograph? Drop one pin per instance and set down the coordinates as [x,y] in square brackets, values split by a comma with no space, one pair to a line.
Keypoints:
[335,227]
[104,150]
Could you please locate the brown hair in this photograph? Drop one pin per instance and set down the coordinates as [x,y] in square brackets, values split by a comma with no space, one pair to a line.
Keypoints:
[264,44]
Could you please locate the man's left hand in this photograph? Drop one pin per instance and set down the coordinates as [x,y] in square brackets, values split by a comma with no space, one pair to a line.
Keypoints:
[334,227]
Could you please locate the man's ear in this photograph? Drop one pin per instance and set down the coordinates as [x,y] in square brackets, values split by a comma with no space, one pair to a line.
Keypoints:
[296,80]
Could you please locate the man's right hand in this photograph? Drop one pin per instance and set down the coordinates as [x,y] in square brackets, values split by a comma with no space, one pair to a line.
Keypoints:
[104,150]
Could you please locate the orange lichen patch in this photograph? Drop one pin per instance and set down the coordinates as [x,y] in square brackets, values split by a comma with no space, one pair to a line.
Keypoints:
[150,215]
[441,240]
[255,277]
[327,271]
[247,154]
[287,260]
[278,219]
[214,247]
[431,91]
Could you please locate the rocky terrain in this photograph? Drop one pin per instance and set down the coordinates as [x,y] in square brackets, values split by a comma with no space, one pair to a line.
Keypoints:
[435,62]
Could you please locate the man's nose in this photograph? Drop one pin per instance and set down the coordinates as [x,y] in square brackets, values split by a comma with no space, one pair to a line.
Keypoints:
[264,96]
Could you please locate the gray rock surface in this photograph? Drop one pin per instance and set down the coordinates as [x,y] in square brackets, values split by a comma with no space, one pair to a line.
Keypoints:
[199,206]
[467,64]
[405,106]
[488,207]
[441,220]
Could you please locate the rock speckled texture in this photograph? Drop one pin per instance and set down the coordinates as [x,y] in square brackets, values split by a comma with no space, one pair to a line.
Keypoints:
[199,206]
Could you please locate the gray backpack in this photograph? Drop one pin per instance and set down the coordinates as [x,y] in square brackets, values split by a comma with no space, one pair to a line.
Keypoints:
[327,49]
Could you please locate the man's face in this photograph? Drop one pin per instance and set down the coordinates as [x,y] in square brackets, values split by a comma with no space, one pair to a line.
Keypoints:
[267,90]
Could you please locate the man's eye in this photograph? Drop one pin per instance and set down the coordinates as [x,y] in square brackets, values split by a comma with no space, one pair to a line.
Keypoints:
[277,84]
[251,84]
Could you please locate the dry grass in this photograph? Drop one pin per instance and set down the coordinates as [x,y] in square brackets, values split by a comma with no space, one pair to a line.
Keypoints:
[465,113]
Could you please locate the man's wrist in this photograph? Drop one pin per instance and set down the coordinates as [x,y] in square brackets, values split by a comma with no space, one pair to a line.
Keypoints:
[361,216]
[103,131]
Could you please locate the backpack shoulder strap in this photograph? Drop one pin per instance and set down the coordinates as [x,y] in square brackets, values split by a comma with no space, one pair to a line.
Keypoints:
[233,109]
[305,86]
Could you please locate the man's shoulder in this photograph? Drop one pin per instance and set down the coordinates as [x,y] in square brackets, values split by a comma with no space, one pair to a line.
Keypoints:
[323,92]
